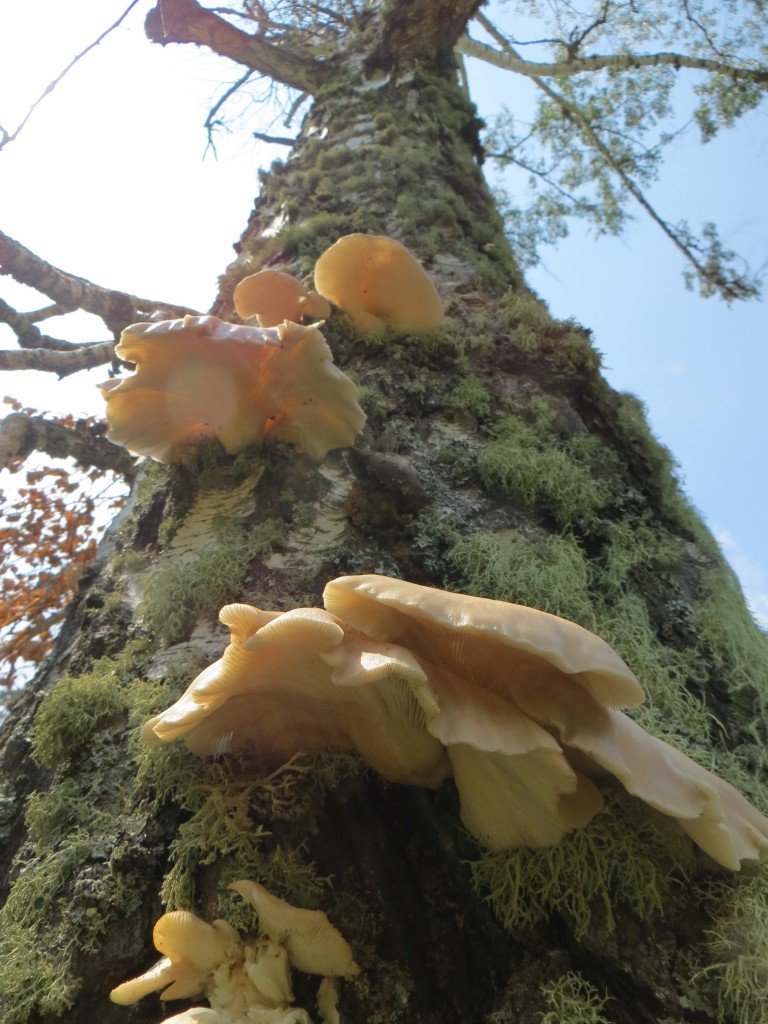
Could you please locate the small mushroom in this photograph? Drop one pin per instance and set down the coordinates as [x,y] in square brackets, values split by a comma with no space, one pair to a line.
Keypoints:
[273,296]
[201,377]
[192,951]
[378,283]
[313,944]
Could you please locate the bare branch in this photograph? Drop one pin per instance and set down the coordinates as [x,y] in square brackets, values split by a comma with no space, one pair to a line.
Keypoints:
[48,360]
[116,309]
[616,62]
[185,21]
[6,137]
[29,335]
[274,140]
[85,442]
[211,120]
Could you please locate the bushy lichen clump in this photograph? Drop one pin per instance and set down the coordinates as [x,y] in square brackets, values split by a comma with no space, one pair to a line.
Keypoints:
[625,855]
[559,477]
[542,570]
[570,999]
[734,961]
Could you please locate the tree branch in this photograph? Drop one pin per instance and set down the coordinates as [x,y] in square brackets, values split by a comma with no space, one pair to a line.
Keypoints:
[116,309]
[419,29]
[616,62]
[274,140]
[84,357]
[21,434]
[6,137]
[729,289]
[29,335]
[185,21]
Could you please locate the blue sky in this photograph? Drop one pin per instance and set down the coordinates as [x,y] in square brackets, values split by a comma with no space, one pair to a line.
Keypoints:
[108,180]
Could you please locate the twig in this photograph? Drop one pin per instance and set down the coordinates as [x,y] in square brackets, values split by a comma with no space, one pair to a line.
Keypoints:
[12,136]
[61,363]
[274,140]
[21,434]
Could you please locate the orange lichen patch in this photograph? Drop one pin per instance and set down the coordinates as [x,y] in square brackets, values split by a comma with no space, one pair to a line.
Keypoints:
[378,283]
[300,681]
[243,981]
[201,377]
[272,297]
[505,678]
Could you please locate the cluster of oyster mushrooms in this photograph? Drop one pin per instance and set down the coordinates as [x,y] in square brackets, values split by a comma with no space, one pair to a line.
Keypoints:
[521,707]
[244,982]
[201,377]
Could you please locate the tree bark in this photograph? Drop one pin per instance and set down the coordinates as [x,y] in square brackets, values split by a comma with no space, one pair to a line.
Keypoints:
[496,460]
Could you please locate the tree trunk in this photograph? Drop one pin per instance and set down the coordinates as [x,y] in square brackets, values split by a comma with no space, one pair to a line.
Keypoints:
[496,461]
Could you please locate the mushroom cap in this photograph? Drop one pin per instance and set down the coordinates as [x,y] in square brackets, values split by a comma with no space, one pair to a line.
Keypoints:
[715,815]
[481,640]
[160,975]
[378,283]
[299,681]
[312,942]
[184,938]
[196,1015]
[191,950]
[273,296]
[201,377]
[514,781]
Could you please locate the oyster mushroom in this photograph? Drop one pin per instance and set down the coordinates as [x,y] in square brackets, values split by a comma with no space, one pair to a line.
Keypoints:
[273,296]
[201,377]
[378,283]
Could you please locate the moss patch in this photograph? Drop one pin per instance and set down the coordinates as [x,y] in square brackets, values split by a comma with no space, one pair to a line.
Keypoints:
[83,836]
[559,477]
[181,592]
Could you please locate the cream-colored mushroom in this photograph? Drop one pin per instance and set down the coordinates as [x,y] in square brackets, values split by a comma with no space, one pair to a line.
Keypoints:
[244,982]
[192,950]
[201,377]
[378,283]
[301,681]
[481,640]
[273,296]
[312,942]
[506,678]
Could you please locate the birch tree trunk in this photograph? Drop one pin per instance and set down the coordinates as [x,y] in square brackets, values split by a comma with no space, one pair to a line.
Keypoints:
[496,461]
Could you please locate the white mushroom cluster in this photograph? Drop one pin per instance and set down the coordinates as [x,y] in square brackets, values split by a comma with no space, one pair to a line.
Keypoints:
[244,982]
[521,707]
